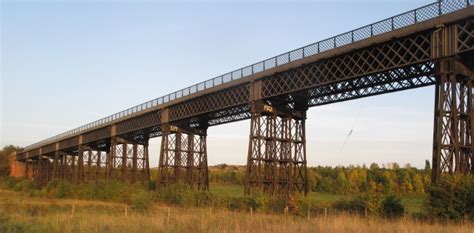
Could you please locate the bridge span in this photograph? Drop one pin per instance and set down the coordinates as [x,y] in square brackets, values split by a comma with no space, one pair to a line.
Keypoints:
[431,45]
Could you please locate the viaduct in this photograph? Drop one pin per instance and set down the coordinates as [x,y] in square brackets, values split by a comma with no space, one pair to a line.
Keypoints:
[431,45]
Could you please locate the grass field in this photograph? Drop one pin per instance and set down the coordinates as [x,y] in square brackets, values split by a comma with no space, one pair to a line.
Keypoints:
[19,213]
[413,202]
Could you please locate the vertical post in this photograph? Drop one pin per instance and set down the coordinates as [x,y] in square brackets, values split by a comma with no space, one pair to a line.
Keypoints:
[134,163]
[305,169]
[79,171]
[204,175]
[27,167]
[89,165]
[73,169]
[124,161]
[98,165]
[436,127]
[177,158]
[111,159]
[55,165]
[190,160]
[40,173]
[147,162]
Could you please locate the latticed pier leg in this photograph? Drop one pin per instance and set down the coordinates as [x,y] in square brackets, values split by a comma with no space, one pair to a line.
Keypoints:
[79,169]
[183,158]
[43,170]
[453,129]
[276,162]
[128,161]
[93,163]
[141,168]
[116,160]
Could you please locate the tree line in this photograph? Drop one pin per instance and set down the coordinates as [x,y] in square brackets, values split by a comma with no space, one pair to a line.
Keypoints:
[390,179]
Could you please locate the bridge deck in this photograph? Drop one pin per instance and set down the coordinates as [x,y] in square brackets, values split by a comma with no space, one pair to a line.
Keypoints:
[390,55]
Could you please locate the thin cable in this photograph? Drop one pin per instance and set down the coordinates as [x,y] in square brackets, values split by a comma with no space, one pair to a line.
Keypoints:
[353,125]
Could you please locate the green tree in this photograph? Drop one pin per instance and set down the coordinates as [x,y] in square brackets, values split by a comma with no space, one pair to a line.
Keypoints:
[427,166]
[418,185]
[406,183]
[342,183]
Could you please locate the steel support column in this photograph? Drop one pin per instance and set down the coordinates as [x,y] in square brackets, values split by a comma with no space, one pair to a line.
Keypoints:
[128,161]
[44,169]
[79,168]
[276,162]
[453,129]
[183,157]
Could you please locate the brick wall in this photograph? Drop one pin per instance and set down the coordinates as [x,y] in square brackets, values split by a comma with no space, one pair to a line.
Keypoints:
[17,169]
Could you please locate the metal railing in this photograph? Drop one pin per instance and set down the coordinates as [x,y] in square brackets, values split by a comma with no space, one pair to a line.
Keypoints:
[396,22]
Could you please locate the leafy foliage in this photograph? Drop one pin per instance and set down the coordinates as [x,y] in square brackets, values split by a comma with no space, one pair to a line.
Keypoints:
[452,197]
[392,207]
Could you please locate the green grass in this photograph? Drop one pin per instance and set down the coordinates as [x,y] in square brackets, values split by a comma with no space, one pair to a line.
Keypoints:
[22,213]
[413,202]
[229,190]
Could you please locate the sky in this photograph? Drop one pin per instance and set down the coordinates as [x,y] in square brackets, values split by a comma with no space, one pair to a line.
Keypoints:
[68,63]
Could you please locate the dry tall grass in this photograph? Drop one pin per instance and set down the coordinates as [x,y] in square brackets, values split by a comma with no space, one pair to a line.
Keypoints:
[19,213]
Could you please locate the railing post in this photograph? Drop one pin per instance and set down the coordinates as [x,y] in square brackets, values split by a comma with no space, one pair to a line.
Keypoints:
[415,17]
[393,26]
[371,30]
[439,8]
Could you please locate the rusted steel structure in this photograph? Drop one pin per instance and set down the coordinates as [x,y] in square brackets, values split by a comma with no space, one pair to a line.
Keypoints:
[431,45]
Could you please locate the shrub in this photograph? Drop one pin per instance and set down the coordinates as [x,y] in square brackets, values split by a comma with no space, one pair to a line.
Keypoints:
[452,197]
[392,207]
[141,201]
[59,188]
[8,182]
[369,203]
[356,205]
[26,186]
[176,194]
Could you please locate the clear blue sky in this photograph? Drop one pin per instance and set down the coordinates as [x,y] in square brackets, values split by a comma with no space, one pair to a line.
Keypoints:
[67,63]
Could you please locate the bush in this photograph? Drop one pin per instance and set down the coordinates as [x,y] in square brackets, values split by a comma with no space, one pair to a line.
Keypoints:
[356,205]
[26,186]
[59,188]
[141,201]
[369,203]
[8,182]
[176,194]
[392,207]
[452,197]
